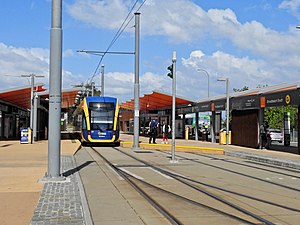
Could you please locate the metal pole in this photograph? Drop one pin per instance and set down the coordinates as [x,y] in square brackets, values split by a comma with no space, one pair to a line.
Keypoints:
[136,144]
[173,105]
[92,86]
[196,125]
[31,101]
[102,80]
[34,117]
[55,91]
[212,126]
[207,79]
[207,85]
[227,111]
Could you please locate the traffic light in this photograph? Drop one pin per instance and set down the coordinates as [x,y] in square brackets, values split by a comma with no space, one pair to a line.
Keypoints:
[170,74]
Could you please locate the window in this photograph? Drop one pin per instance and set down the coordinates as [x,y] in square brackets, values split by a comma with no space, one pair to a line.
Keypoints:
[102,116]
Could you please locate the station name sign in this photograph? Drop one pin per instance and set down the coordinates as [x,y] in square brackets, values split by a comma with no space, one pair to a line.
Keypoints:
[279,99]
[203,107]
[219,105]
[249,102]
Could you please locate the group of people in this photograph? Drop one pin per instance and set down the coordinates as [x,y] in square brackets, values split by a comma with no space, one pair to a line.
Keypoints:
[166,131]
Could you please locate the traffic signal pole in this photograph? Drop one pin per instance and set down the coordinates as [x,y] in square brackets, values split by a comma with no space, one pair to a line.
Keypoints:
[173,105]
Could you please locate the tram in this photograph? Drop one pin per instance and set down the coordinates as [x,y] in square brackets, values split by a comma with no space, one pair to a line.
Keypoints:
[99,120]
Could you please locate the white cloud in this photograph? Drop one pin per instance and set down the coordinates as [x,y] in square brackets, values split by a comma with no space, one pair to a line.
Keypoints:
[183,21]
[16,61]
[122,84]
[241,71]
[68,53]
[292,6]
[101,14]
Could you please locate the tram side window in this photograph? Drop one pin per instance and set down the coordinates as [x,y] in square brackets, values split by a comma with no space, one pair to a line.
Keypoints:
[84,123]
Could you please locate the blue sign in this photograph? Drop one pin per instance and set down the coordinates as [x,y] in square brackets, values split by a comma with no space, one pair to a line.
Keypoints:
[25,135]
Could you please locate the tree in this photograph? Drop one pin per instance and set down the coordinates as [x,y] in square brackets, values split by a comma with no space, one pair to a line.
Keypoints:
[274,117]
[245,88]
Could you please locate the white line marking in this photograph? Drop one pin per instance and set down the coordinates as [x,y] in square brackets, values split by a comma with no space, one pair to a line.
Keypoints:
[164,175]
[132,174]
[118,175]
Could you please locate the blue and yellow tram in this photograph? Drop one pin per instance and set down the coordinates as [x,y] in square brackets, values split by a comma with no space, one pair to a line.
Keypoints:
[100,120]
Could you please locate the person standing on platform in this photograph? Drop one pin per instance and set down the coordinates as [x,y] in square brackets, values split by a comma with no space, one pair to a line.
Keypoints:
[153,131]
[164,133]
[166,130]
[262,135]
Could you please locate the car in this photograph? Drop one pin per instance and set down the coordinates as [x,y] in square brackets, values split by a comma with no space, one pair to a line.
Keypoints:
[145,130]
[275,135]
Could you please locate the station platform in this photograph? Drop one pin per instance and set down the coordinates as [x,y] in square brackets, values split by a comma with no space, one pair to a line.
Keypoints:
[24,200]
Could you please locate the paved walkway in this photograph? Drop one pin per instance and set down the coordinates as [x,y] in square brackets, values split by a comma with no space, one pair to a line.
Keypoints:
[21,165]
[24,200]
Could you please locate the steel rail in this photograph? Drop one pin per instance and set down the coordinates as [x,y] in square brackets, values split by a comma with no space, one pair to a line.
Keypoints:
[202,190]
[126,175]
[236,193]
[154,203]
[251,166]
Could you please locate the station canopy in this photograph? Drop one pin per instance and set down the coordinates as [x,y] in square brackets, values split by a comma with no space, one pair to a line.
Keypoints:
[68,97]
[155,101]
[20,97]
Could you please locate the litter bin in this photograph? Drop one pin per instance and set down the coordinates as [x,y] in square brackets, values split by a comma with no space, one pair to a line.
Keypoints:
[187,133]
[222,137]
[222,140]
[25,135]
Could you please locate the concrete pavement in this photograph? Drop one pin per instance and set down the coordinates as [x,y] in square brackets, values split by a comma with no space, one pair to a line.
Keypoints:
[24,200]
[21,165]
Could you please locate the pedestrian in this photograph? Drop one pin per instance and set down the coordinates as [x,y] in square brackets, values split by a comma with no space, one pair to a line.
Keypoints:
[166,130]
[262,135]
[153,131]
[168,133]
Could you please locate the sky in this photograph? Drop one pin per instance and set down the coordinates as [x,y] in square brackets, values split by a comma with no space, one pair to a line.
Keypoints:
[251,42]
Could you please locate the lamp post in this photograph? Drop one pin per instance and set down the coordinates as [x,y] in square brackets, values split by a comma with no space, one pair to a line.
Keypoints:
[227,106]
[197,116]
[32,99]
[203,70]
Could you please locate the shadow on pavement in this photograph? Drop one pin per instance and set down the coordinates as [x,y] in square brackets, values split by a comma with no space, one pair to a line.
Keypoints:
[72,171]
[281,148]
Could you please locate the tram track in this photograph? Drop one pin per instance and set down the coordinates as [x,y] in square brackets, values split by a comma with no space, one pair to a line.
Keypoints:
[251,166]
[136,184]
[191,184]
[241,194]
[239,173]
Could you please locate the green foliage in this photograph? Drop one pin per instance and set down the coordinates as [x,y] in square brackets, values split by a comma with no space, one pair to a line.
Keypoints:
[261,86]
[245,88]
[275,116]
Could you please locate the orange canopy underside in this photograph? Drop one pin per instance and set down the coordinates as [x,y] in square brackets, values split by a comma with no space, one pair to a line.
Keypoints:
[21,96]
[154,101]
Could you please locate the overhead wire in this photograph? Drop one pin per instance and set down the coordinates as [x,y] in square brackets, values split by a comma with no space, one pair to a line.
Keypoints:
[117,35]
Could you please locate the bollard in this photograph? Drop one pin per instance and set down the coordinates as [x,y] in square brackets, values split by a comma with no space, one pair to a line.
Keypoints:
[187,133]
